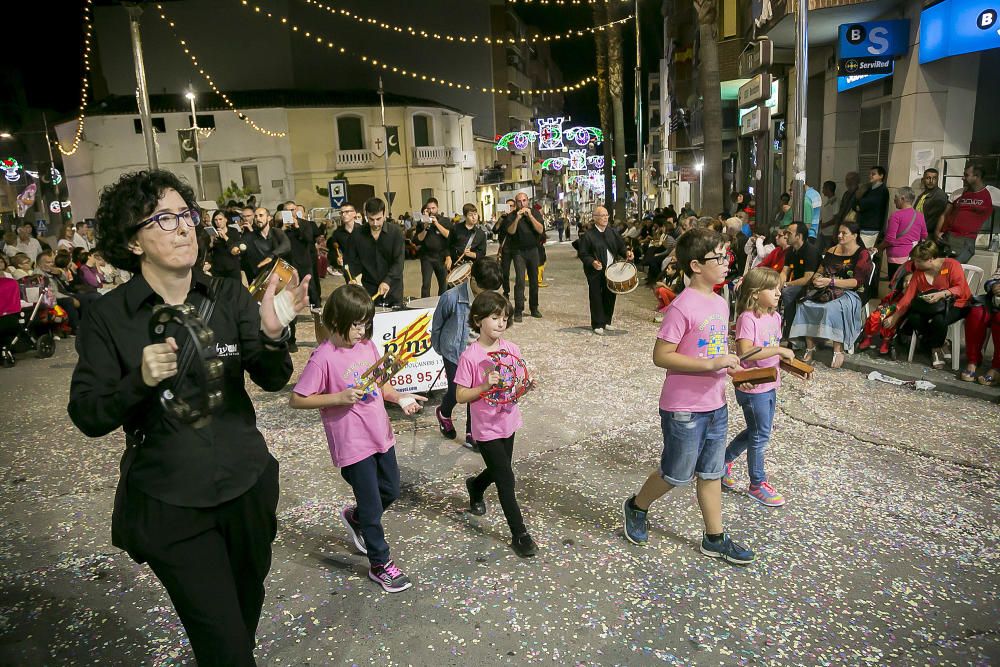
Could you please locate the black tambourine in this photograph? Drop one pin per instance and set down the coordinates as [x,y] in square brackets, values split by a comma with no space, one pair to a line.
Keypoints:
[188,399]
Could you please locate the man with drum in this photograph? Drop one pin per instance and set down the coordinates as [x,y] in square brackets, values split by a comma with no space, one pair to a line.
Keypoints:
[432,237]
[195,501]
[600,247]
[377,256]
[264,245]
[343,238]
[522,229]
[467,241]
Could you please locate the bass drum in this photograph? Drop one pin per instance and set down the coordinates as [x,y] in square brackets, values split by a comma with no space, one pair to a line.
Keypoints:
[622,277]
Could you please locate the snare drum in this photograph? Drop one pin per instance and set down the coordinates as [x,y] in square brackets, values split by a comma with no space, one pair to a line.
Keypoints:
[279,266]
[622,277]
[419,304]
[459,274]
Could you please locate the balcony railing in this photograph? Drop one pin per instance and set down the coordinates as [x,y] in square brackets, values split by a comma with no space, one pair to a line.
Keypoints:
[355,159]
[432,156]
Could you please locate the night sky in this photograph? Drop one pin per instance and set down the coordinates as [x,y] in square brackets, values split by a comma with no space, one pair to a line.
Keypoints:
[45,70]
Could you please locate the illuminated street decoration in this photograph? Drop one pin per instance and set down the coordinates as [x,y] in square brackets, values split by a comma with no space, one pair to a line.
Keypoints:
[11,168]
[519,139]
[578,160]
[582,136]
[55,207]
[56,176]
[550,134]
[556,163]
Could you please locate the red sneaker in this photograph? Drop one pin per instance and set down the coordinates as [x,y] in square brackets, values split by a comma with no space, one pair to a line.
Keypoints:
[865,343]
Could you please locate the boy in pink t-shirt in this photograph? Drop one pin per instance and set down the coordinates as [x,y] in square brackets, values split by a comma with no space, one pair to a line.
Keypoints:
[692,346]
[493,424]
[357,426]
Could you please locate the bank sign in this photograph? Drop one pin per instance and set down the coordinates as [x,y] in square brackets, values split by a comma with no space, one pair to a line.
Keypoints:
[870,48]
[954,27]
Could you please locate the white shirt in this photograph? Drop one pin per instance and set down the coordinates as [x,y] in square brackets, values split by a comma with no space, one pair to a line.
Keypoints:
[81,241]
[32,248]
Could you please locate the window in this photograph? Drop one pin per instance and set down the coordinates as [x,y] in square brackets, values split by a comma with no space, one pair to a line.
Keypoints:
[205,121]
[422,134]
[349,134]
[212,181]
[873,144]
[425,194]
[159,125]
[251,179]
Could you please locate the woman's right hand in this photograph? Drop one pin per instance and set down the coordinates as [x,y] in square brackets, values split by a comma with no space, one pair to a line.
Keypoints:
[159,362]
[889,322]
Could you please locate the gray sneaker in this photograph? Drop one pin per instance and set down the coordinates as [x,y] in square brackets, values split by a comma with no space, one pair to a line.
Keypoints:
[636,530]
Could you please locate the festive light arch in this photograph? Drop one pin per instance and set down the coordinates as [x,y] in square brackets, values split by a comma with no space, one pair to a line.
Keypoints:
[521,138]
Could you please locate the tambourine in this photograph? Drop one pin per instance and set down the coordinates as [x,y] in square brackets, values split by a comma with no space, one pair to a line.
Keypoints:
[259,285]
[514,379]
[188,399]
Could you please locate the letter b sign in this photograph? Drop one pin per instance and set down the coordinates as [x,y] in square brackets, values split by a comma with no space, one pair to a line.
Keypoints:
[856,34]
[987,19]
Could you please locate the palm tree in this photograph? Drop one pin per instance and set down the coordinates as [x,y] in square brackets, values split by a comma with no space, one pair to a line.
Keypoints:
[711,106]
[615,85]
[603,100]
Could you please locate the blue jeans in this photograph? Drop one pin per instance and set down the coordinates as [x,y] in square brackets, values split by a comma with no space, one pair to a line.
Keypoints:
[375,482]
[693,443]
[758,409]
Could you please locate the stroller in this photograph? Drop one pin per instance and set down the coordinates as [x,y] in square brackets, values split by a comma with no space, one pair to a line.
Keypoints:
[28,317]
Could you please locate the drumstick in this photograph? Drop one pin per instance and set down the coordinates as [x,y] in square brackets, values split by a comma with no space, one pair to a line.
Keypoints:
[752,351]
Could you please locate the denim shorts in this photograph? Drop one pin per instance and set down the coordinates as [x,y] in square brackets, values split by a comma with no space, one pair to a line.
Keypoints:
[694,443]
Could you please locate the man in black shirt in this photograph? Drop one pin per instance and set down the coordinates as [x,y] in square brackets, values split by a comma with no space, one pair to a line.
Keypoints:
[343,238]
[521,231]
[432,237]
[600,246]
[466,242]
[873,205]
[197,504]
[801,262]
[377,255]
[264,244]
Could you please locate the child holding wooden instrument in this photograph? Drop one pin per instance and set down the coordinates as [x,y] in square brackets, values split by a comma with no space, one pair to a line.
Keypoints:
[758,326]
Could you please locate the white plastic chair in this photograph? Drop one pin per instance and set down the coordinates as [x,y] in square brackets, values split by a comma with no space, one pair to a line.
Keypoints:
[956,331]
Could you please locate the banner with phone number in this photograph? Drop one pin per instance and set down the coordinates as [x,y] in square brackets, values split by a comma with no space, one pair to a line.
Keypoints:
[427,365]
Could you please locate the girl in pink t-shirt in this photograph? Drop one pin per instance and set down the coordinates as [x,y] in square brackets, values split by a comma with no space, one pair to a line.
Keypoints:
[493,426]
[757,325]
[356,424]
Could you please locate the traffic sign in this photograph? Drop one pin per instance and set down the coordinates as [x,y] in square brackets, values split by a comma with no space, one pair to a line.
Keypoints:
[338,193]
[390,197]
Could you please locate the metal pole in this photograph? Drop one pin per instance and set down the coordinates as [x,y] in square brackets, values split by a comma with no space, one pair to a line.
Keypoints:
[385,137]
[52,162]
[134,12]
[638,110]
[801,84]
[197,149]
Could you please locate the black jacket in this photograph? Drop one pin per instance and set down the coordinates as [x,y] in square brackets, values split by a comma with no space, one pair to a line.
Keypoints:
[595,245]
[258,248]
[872,209]
[378,260]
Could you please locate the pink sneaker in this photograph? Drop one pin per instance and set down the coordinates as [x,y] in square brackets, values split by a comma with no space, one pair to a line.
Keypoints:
[727,476]
[766,495]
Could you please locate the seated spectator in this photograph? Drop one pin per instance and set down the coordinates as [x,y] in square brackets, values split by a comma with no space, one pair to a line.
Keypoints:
[937,296]
[776,258]
[21,266]
[737,243]
[666,289]
[801,260]
[65,241]
[757,247]
[906,228]
[88,274]
[875,324]
[57,283]
[5,266]
[985,314]
[830,307]
[111,276]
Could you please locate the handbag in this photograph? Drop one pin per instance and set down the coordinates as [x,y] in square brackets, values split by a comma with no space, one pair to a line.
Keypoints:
[918,305]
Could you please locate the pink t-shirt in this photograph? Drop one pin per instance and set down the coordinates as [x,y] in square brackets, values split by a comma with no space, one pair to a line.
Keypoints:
[699,324]
[761,331]
[489,422]
[354,432]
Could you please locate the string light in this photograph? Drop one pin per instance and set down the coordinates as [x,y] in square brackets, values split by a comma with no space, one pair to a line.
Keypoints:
[208,79]
[562,2]
[465,39]
[85,84]
[386,67]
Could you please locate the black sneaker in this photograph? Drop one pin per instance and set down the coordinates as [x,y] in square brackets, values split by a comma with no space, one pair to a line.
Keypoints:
[524,546]
[292,347]
[353,526]
[389,577]
[470,443]
[536,313]
[518,317]
[445,425]
[476,506]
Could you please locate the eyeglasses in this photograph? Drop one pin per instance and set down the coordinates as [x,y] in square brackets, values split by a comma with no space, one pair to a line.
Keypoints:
[169,222]
[718,259]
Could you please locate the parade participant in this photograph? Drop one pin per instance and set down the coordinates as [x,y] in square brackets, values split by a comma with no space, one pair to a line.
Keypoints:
[599,248]
[265,244]
[503,254]
[493,426]
[692,347]
[301,233]
[965,215]
[377,255]
[450,337]
[758,325]
[522,229]
[432,238]
[197,504]
[357,426]
[342,240]
[224,248]
[467,242]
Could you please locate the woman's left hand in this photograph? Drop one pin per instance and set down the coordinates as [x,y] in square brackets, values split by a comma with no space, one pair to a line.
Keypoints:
[269,322]
[935,297]
[821,281]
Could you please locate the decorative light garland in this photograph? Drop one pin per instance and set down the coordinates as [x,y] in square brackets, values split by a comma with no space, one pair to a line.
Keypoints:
[521,138]
[465,39]
[11,167]
[88,28]
[379,65]
[201,70]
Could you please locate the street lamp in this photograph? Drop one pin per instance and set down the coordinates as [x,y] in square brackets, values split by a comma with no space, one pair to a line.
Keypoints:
[6,135]
[197,148]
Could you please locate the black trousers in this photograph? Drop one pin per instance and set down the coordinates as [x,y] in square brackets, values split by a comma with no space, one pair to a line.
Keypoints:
[602,300]
[375,482]
[213,562]
[498,454]
[933,329]
[432,266]
[559,230]
[525,261]
[449,401]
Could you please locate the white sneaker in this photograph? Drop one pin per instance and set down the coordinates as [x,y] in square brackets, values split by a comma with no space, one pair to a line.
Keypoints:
[608,327]
[598,332]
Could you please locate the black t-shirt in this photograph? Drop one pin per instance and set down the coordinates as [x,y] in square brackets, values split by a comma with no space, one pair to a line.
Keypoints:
[802,261]
[434,245]
[524,236]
